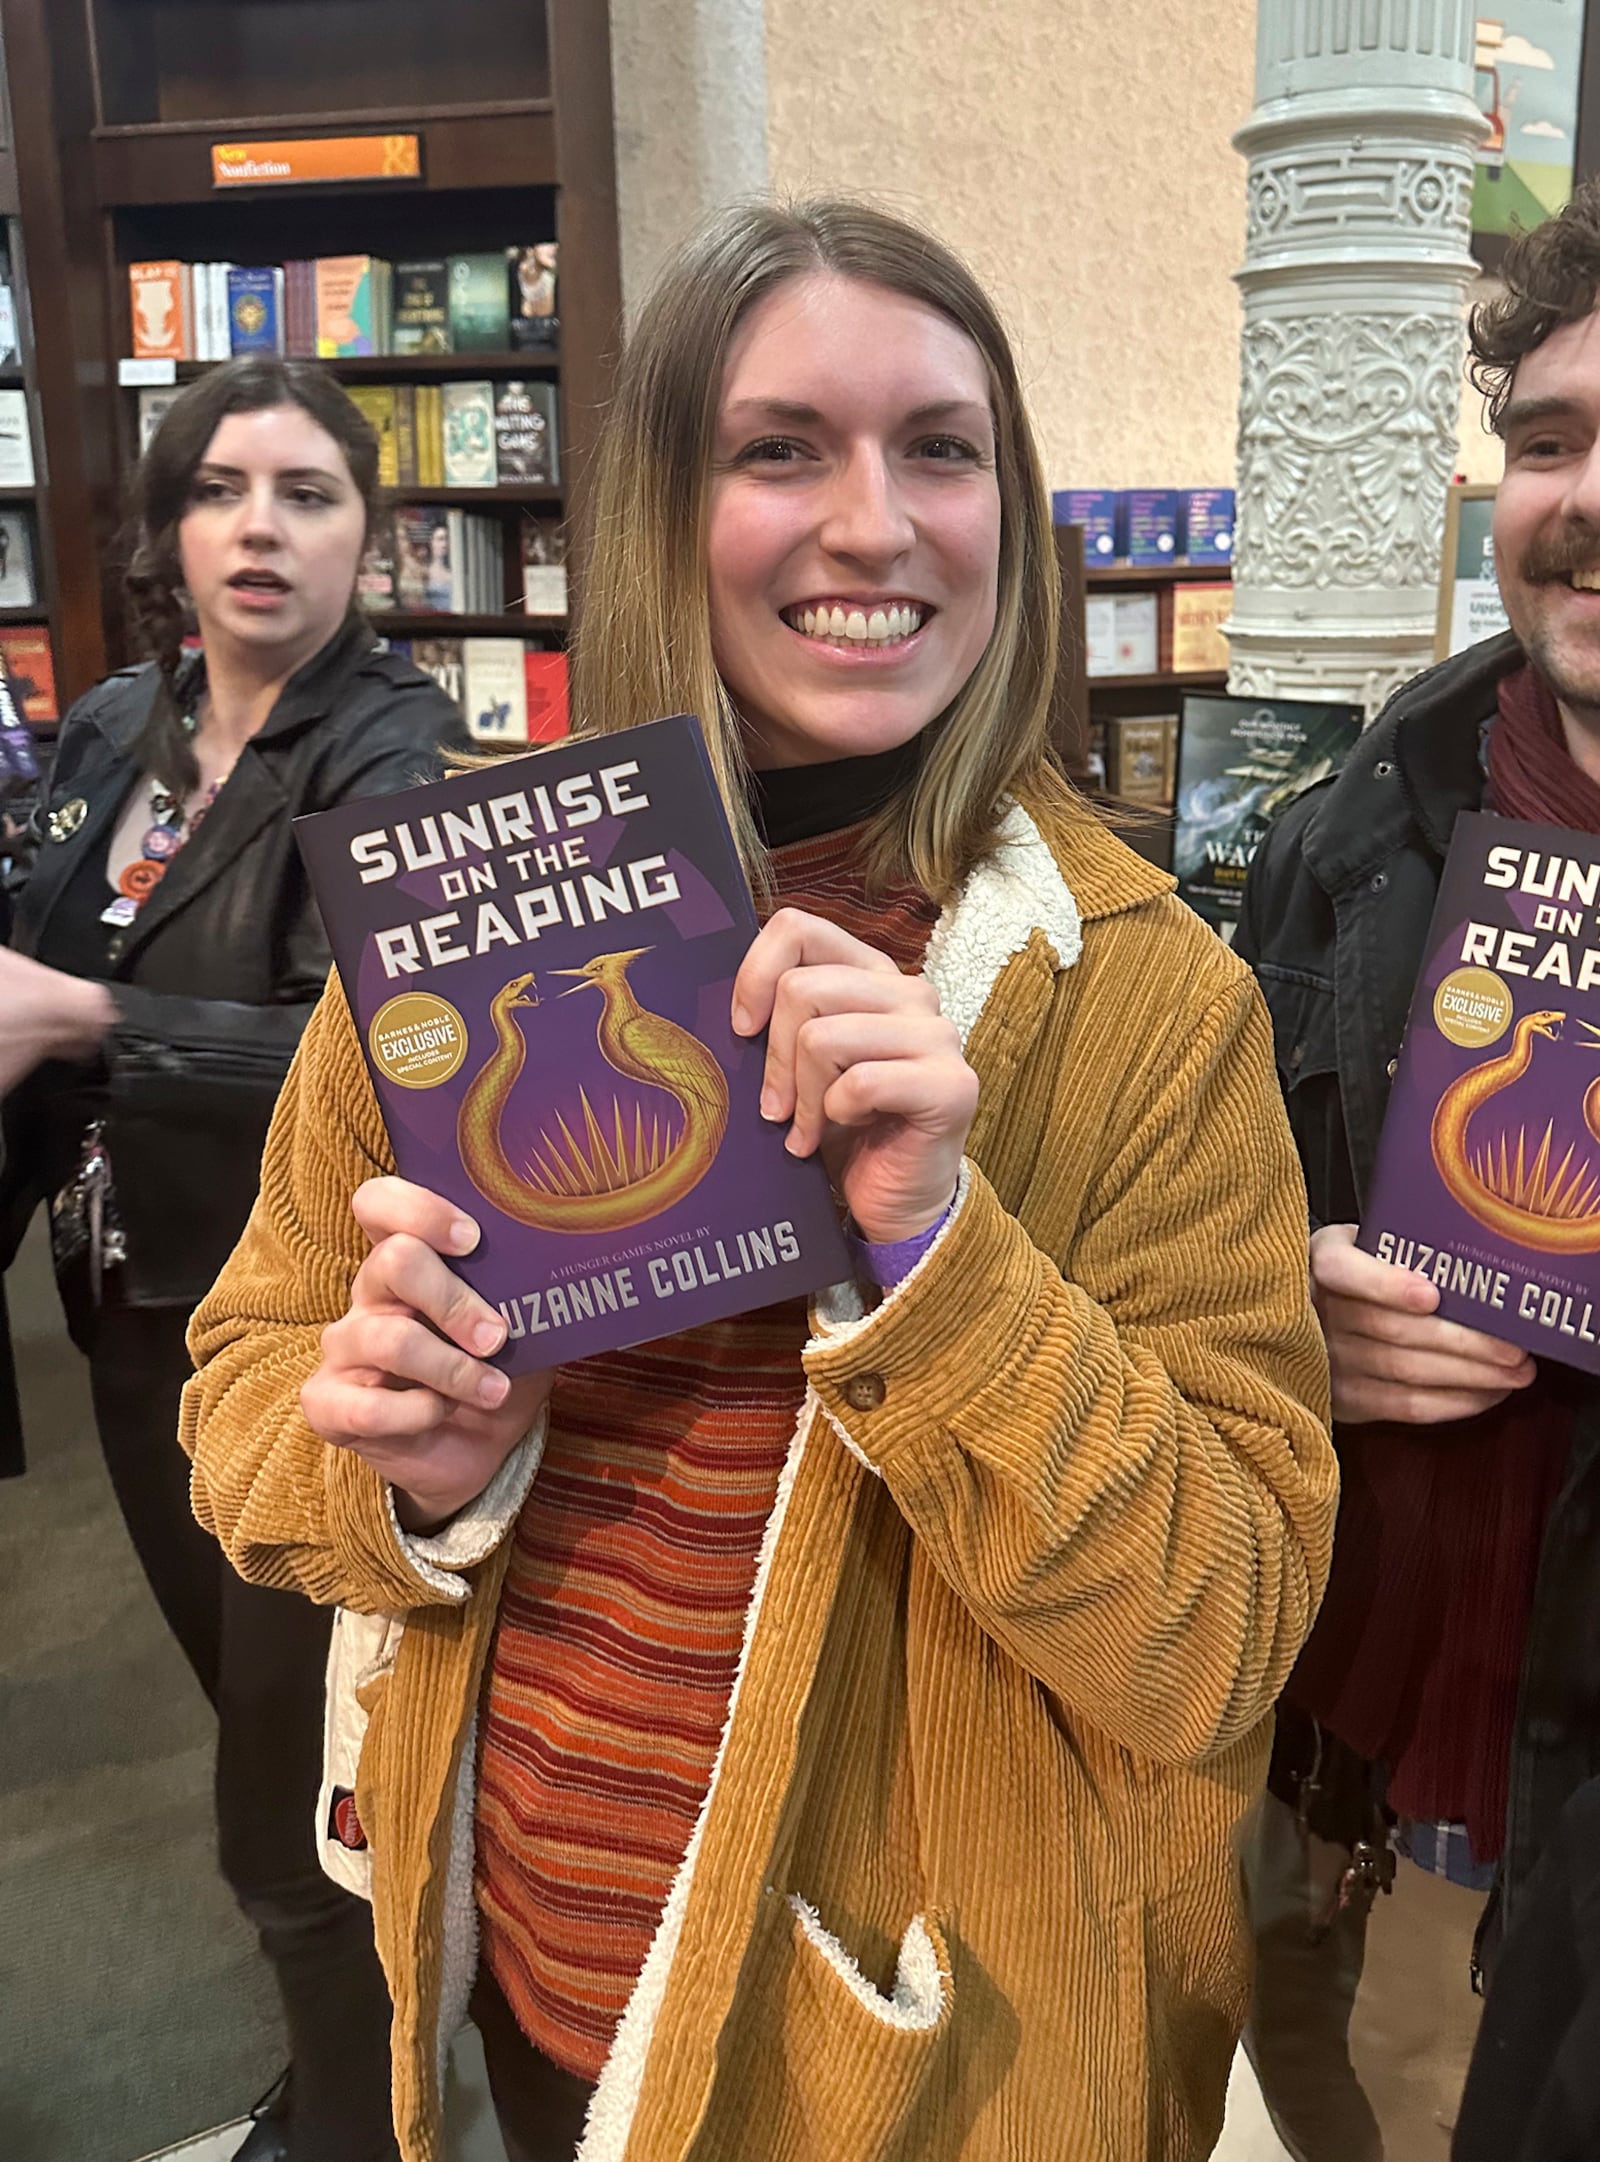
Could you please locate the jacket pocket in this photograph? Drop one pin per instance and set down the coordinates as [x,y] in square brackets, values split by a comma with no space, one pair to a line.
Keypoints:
[361,1658]
[866,2066]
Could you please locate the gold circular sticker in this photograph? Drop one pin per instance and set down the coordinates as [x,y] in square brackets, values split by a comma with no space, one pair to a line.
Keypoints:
[417,1040]
[1472,1007]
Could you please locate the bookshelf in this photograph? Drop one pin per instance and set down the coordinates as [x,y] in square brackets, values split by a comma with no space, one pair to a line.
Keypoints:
[1147,693]
[120,104]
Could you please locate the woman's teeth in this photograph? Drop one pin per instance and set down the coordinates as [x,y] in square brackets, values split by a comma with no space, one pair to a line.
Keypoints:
[857,626]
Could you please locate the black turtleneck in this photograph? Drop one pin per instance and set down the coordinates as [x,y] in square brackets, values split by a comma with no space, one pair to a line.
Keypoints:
[796,803]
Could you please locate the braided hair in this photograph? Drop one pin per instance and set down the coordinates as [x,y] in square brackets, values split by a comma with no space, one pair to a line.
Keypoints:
[163,490]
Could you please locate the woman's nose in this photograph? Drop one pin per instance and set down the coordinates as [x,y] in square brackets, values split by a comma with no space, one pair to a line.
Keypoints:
[263,514]
[867,516]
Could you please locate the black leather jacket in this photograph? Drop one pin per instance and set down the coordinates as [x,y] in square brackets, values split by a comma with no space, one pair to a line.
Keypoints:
[218,974]
[1336,912]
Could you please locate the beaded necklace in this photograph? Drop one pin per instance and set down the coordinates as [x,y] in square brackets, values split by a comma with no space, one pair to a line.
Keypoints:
[170,826]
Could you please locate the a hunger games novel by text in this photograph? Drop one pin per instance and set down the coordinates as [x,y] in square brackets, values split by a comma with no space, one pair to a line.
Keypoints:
[540,959]
[1488,1171]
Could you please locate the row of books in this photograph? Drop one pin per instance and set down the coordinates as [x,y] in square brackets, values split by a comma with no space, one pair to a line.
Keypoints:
[1150,526]
[337,307]
[508,691]
[1177,630]
[463,435]
[429,560]
[430,435]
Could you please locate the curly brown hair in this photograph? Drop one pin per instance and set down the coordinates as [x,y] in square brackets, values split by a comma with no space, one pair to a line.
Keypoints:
[162,491]
[1551,276]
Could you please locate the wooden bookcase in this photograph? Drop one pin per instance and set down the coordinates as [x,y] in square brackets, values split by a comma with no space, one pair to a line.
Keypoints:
[22,374]
[1108,698]
[119,103]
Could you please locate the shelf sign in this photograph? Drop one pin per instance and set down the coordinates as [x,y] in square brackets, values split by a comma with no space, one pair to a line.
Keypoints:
[316,158]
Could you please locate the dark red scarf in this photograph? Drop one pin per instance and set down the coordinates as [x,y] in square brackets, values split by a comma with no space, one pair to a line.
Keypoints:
[1417,1654]
[1532,774]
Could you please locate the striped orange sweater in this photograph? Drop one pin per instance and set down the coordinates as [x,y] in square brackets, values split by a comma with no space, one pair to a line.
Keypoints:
[624,1609]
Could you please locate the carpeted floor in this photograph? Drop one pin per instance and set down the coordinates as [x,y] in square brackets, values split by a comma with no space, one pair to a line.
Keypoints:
[134,2009]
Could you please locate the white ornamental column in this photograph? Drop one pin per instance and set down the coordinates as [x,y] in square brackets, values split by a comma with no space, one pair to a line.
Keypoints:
[1355,274]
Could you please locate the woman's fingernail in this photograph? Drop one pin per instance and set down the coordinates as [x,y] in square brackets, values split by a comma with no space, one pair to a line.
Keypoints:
[741,1017]
[492,1389]
[487,1335]
[769,1103]
[463,1235]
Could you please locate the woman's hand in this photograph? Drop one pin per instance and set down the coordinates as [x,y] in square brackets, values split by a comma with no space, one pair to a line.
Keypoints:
[403,1380]
[1390,1355]
[864,1066]
[45,1013]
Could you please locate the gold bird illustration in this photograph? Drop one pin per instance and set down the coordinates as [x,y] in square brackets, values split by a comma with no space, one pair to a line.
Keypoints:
[609,1178]
[1553,1211]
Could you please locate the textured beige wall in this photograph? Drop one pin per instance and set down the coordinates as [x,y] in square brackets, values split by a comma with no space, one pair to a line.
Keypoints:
[1078,153]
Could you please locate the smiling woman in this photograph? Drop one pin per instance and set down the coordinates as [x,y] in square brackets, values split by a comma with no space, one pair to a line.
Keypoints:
[827,1736]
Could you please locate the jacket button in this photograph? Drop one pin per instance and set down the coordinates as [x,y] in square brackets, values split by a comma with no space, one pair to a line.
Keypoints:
[1392,1068]
[865,1392]
[1380,879]
[1382,770]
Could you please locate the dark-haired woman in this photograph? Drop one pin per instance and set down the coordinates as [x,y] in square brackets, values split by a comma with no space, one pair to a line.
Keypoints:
[165,958]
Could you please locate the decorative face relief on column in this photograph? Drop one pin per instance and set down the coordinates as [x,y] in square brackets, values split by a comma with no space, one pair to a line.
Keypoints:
[1347,441]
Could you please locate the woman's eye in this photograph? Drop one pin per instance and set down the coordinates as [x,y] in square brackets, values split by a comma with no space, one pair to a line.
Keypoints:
[948,449]
[771,450]
[308,498]
[211,491]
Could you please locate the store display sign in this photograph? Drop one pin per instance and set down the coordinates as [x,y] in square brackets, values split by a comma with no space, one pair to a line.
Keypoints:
[1528,58]
[314,158]
[1470,607]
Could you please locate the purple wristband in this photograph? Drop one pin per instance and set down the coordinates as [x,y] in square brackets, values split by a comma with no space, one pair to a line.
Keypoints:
[891,1261]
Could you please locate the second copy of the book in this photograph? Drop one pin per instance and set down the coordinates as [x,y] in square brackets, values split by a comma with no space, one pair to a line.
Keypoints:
[1488,1169]
[540,960]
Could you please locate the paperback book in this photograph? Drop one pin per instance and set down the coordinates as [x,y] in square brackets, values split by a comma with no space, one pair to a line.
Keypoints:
[26,658]
[18,586]
[539,957]
[1488,1168]
[1240,760]
[525,433]
[255,309]
[478,305]
[16,440]
[544,567]
[422,307]
[467,412]
[534,322]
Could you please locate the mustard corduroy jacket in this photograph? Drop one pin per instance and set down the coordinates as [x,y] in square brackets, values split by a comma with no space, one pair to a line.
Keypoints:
[1054,1522]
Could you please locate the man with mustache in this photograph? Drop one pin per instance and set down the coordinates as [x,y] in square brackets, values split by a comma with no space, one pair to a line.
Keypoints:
[1448,1687]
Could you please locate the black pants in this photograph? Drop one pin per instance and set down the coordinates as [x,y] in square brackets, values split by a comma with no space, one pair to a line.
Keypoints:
[541,2108]
[259,1655]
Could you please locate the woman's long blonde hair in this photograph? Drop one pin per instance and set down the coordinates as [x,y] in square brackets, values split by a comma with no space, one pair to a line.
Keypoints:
[643,644]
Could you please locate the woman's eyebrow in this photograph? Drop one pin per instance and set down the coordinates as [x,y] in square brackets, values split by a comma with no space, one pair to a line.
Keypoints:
[935,409]
[288,472]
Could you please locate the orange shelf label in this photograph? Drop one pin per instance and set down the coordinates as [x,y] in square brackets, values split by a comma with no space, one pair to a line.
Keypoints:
[316,157]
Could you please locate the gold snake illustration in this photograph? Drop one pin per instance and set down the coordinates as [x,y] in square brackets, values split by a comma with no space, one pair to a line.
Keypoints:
[605,1181]
[1555,1212]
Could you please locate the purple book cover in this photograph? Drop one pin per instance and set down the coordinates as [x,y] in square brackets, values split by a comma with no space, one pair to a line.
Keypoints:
[540,959]
[1488,1172]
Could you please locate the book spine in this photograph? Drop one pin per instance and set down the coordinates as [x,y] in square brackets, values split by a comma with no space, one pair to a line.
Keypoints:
[405,435]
